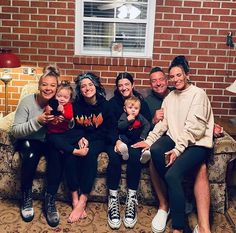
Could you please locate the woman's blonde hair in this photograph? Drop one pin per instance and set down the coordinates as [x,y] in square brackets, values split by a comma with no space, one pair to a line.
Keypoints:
[132,100]
[50,70]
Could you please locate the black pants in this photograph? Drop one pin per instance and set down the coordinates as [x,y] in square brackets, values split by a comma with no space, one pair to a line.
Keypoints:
[66,141]
[31,152]
[81,171]
[133,170]
[173,176]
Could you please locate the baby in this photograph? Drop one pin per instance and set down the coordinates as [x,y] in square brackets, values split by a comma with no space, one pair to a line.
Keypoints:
[133,127]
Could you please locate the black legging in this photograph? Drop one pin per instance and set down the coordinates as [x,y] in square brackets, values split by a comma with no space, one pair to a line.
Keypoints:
[188,161]
[133,170]
[31,152]
[81,171]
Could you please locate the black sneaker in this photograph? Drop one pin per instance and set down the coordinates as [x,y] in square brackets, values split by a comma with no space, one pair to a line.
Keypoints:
[27,211]
[51,213]
[130,217]
[114,220]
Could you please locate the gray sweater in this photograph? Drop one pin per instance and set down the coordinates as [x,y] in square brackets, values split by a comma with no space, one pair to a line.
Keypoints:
[25,125]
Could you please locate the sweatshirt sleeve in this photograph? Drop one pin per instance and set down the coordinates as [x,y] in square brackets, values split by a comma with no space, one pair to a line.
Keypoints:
[123,122]
[22,125]
[159,129]
[196,123]
[68,114]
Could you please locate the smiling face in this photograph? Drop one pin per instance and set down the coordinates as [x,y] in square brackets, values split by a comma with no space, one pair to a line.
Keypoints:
[178,77]
[87,89]
[125,87]
[47,87]
[159,83]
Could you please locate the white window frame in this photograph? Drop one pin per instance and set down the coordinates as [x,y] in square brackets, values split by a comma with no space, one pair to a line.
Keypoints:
[150,22]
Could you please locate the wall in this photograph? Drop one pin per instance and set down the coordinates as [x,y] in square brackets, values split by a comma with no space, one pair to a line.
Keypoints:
[42,32]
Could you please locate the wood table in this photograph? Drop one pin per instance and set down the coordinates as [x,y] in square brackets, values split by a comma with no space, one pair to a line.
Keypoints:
[228,125]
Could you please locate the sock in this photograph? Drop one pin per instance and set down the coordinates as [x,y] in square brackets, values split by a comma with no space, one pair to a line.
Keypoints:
[113,193]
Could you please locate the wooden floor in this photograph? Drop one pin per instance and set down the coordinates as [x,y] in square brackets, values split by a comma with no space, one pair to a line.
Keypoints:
[96,222]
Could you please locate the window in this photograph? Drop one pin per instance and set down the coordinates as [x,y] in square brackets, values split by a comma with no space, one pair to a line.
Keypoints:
[101,23]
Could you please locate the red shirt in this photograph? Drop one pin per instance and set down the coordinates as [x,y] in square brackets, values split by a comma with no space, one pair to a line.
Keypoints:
[60,127]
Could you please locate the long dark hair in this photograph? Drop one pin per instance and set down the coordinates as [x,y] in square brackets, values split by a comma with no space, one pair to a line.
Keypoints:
[100,90]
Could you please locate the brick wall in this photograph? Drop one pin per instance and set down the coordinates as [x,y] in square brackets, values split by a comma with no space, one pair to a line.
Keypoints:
[42,32]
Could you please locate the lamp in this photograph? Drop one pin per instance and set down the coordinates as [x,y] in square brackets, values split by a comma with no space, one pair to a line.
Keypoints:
[232,87]
[7,60]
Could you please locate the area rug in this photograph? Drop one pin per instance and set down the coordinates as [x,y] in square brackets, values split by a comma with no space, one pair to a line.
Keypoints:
[96,222]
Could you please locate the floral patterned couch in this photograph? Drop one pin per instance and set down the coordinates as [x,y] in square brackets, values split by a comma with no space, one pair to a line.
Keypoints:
[224,152]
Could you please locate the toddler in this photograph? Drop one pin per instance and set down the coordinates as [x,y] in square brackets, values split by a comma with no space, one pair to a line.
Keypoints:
[61,108]
[133,127]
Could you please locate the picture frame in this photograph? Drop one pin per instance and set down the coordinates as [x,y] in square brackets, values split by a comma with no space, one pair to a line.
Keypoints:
[116,49]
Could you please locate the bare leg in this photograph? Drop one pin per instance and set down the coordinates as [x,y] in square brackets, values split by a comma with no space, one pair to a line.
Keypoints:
[159,187]
[79,205]
[202,196]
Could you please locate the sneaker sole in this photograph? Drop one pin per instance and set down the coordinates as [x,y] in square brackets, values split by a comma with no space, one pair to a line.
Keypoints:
[114,225]
[27,219]
[130,225]
[157,231]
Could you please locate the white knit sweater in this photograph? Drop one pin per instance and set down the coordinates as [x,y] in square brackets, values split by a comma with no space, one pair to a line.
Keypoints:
[188,120]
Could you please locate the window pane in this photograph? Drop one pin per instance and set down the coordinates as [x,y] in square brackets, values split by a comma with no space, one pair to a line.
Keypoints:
[117,9]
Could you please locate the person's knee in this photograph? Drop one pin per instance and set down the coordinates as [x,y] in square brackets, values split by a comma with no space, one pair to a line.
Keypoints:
[201,173]
[171,178]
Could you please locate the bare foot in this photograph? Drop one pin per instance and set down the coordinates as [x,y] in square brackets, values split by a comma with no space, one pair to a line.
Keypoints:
[81,152]
[78,212]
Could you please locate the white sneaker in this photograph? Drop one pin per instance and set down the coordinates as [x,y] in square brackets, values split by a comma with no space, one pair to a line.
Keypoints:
[195,230]
[145,156]
[159,221]
[124,151]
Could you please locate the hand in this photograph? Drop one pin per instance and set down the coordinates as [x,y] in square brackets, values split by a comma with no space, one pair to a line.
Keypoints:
[83,143]
[141,144]
[117,146]
[60,108]
[217,131]
[61,118]
[170,157]
[158,116]
[131,117]
[44,118]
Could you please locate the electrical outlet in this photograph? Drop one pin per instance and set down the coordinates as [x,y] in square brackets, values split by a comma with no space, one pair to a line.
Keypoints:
[28,70]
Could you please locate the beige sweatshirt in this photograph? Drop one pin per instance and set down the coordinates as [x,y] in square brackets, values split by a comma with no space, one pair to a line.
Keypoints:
[188,120]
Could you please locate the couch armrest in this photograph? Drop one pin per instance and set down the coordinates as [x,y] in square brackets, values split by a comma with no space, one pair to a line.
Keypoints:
[224,144]
[5,127]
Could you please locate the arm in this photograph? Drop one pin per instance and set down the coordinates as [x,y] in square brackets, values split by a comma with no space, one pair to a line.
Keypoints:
[68,111]
[26,121]
[199,120]
[123,122]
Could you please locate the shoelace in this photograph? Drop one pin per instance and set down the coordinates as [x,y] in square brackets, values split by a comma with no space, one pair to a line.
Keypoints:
[27,200]
[131,206]
[51,204]
[114,207]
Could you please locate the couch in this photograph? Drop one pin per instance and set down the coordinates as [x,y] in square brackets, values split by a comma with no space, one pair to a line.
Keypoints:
[223,153]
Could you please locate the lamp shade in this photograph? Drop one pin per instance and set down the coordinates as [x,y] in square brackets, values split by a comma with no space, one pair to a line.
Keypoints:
[8,59]
[232,87]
